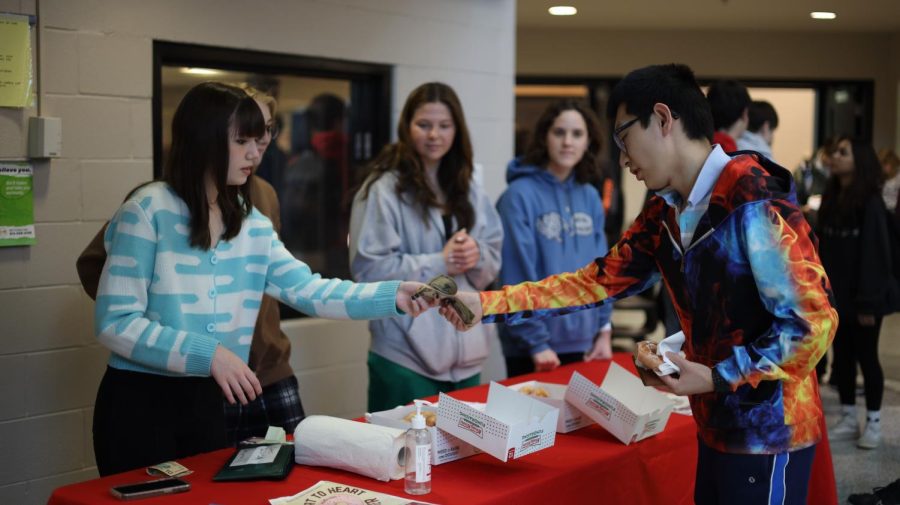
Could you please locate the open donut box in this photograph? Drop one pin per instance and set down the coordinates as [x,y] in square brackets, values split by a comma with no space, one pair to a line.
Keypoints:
[621,404]
[510,426]
[570,418]
[444,446]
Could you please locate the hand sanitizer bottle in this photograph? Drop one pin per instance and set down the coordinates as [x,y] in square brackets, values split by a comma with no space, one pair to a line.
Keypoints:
[418,454]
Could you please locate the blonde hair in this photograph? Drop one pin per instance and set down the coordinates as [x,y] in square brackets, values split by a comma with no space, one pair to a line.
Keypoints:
[261,96]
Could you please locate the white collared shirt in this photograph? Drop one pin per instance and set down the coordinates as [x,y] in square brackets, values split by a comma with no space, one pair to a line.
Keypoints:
[698,199]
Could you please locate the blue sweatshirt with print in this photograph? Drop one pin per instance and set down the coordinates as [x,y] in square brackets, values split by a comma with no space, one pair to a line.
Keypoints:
[550,226]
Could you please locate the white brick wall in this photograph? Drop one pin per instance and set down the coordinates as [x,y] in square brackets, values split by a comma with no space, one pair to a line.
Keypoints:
[95,71]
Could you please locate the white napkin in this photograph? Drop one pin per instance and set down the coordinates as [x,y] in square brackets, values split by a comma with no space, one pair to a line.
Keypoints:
[672,343]
[366,449]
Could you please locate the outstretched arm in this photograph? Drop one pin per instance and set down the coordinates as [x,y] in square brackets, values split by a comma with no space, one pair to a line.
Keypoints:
[630,267]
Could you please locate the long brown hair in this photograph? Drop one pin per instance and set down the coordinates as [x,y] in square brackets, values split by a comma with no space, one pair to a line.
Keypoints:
[455,171]
[200,137]
[587,170]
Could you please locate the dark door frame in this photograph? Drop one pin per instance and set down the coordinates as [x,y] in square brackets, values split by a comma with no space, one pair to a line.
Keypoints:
[367,79]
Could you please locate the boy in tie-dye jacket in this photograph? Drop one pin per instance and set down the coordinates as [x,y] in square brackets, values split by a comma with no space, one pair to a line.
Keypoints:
[740,263]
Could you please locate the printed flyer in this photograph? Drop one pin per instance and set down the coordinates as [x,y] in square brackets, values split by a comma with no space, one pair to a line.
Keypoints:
[332,493]
[16,204]
[15,61]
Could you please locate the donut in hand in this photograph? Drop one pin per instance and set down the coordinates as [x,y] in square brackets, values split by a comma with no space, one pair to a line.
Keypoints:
[646,355]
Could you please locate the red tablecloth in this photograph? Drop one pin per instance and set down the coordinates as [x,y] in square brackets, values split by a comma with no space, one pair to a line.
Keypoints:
[588,465]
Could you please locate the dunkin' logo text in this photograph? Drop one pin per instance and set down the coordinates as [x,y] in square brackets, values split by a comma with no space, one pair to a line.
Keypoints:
[601,406]
[469,423]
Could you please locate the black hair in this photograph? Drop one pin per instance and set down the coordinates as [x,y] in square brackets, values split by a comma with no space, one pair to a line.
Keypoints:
[759,114]
[587,170]
[841,205]
[455,171]
[325,112]
[728,100]
[672,84]
[207,115]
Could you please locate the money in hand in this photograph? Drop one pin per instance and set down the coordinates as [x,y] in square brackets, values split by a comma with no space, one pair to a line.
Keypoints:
[443,289]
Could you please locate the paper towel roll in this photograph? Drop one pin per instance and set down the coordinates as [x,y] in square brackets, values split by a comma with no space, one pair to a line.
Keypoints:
[366,449]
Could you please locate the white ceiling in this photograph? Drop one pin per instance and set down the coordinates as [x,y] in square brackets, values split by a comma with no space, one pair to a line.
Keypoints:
[763,15]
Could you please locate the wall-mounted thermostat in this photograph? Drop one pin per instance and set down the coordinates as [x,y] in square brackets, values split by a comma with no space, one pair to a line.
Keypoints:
[44,137]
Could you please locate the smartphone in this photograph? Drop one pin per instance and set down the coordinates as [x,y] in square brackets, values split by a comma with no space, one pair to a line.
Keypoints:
[157,487]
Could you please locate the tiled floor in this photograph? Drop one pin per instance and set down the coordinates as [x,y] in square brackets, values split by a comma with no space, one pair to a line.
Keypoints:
[858,470]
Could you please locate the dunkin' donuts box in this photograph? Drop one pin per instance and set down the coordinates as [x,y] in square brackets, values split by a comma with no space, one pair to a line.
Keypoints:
[444,446]
[570,418]
[621,404]
[510,426]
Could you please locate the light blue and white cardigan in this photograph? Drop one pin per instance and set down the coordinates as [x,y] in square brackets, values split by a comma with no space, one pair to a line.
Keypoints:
[163,306]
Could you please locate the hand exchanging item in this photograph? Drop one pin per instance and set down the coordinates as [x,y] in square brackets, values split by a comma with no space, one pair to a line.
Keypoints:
[409,302]
[458,308]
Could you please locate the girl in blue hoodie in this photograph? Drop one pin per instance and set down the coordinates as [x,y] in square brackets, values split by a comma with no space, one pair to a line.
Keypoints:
[553,221]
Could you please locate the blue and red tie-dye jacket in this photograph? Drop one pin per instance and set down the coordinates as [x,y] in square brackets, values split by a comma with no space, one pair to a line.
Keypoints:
[752,296]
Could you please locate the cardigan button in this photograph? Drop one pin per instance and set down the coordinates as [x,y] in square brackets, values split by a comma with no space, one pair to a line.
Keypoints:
[214,259]
[211,327]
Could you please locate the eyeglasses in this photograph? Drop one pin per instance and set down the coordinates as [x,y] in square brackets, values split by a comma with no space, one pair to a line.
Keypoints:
[617,133]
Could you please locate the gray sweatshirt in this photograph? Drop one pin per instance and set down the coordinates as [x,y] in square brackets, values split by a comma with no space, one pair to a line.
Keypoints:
[390,240]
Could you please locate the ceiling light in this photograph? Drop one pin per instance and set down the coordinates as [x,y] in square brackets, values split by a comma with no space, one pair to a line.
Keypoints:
[562,10]
[199,71]
[822,15]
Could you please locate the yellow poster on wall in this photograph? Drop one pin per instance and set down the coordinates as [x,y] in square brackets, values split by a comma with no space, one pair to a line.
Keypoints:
[15,61]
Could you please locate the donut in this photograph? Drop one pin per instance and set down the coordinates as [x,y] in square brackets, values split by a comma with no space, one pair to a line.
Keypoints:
[534,391]
[646,355]
[430,417]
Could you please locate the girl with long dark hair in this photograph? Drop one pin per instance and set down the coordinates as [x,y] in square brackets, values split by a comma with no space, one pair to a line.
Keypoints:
[853,245]
[189,258]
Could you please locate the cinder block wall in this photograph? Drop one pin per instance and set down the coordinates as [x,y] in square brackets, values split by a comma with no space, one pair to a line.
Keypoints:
[94,62]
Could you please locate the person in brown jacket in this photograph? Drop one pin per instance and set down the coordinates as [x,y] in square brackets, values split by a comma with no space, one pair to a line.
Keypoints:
[279,404]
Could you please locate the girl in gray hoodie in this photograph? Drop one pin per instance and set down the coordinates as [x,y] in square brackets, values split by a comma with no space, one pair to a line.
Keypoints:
[417,215]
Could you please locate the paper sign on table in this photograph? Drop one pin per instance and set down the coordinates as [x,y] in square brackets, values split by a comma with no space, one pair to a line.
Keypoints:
[326,492]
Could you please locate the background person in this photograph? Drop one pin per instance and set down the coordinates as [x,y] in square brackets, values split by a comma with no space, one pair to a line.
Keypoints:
[553,222]
[854,243]
[762,120]
[416,216]
[730,103]
[890,164]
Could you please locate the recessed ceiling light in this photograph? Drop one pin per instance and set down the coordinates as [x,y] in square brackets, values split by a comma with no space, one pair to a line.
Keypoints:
[562,10]
[822,15]
[199,71]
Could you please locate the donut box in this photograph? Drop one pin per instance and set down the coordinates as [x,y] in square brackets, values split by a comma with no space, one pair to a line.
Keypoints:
[570,418]
[444,446]
[510,426]
[621,404]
